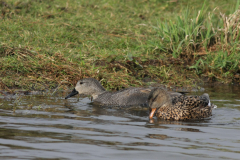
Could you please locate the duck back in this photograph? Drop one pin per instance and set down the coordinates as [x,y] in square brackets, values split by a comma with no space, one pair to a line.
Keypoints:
[126,97]
[185,108]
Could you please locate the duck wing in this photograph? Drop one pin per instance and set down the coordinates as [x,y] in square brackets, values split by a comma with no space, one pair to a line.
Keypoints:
[196,102]
[135,96]
[127,97]
[190,102]
[132,96]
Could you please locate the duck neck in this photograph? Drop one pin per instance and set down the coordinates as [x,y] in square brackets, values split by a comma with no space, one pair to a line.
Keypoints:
[97,92]
[95,95]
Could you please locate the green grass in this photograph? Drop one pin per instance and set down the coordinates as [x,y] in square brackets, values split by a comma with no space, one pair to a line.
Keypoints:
[54,43]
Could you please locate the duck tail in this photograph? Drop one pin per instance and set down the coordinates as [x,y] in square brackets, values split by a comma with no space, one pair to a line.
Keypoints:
[213,106]
[209,102]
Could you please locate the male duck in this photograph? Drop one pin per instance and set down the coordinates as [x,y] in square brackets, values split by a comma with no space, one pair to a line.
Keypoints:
[179,107]
[125,97]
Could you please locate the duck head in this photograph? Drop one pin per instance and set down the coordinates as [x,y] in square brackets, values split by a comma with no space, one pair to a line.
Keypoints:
[158,97]
[87,86]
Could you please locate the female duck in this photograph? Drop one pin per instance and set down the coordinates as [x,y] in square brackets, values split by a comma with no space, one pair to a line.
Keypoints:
[126,97]
[179,107]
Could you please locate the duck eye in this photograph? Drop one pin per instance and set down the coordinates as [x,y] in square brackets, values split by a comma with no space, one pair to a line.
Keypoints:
[81,82]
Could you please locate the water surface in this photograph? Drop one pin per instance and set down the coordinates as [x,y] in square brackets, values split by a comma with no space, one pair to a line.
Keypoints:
[48,126]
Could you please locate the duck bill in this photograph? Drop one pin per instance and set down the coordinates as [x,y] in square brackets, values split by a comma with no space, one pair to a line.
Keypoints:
[152,113]
[73,93]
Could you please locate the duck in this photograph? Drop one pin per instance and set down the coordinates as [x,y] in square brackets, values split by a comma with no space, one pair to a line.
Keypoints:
[126,97]
[179,107]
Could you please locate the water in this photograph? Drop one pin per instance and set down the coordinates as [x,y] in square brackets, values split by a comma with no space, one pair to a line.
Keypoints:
[50,127]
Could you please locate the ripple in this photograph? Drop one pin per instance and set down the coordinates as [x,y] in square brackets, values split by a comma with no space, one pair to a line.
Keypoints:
[53,128]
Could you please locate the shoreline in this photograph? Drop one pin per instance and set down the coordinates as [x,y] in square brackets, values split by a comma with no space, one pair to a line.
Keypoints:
[48,44]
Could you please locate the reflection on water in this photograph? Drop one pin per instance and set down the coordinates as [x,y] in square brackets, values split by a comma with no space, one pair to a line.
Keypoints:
[38,126]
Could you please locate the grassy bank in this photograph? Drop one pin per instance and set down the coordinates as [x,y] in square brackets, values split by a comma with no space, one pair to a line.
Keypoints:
[49,44]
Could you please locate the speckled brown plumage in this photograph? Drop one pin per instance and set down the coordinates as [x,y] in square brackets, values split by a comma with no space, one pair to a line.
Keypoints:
[179,107]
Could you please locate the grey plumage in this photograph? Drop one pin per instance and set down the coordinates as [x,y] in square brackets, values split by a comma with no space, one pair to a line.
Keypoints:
[125,97]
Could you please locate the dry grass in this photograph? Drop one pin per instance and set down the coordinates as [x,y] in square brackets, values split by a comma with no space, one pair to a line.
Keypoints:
[52,44]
